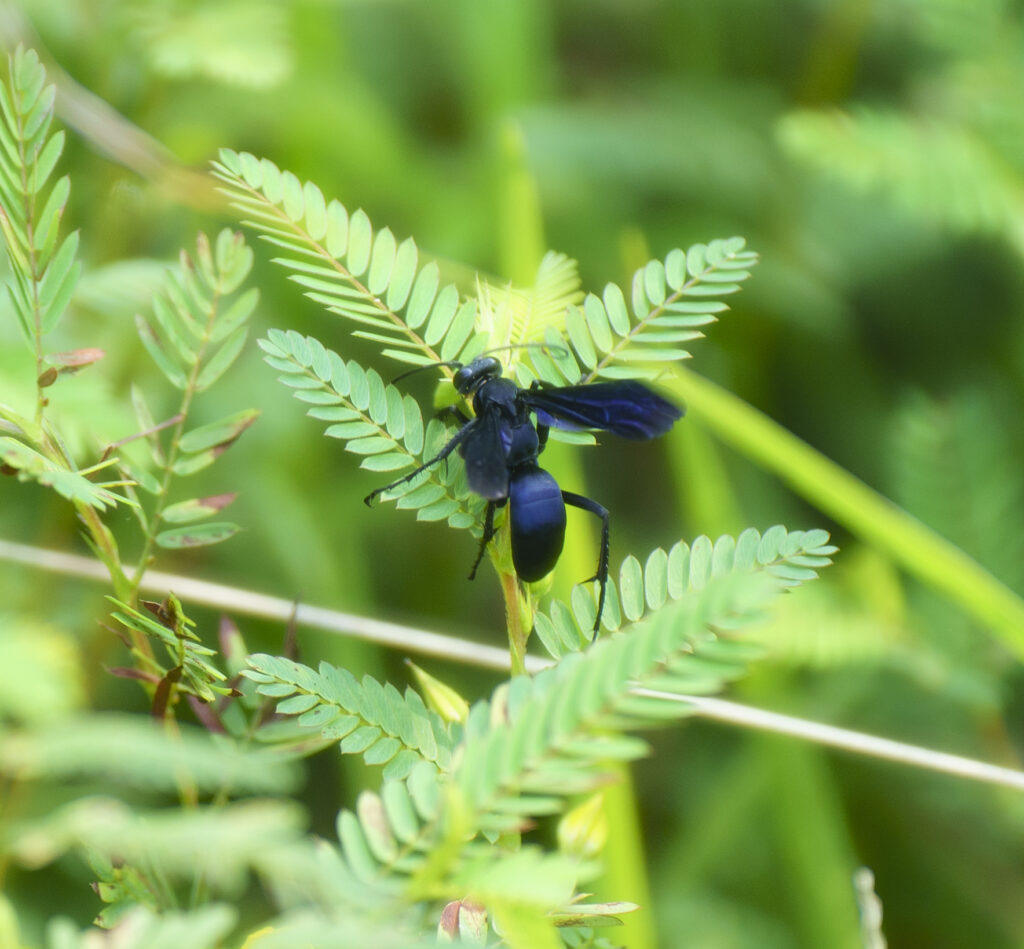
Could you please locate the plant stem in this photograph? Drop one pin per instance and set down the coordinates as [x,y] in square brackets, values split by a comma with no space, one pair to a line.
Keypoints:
[517,633]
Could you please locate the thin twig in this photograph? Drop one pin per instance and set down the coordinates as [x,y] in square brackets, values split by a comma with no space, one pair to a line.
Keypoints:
[424,642]
[167,423]
[857,742]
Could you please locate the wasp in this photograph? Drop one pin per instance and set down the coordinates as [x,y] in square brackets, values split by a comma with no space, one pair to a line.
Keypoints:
[502,442]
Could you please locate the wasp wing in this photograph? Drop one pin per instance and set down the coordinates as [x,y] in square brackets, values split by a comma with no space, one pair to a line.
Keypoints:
[624,407]
[484,452]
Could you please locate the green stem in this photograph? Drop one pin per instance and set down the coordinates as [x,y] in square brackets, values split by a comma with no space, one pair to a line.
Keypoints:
[923,553]
[517,632]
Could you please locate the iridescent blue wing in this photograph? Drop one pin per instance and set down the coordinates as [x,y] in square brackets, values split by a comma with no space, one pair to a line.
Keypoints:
[484,451]
[624,407]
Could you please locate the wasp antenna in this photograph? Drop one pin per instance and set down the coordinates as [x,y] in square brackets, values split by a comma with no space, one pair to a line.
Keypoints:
[433,365]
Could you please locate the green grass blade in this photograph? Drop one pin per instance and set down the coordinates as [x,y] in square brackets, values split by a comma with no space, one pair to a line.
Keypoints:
[864,511]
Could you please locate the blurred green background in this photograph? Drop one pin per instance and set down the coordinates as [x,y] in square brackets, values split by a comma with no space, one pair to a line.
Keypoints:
[872,153]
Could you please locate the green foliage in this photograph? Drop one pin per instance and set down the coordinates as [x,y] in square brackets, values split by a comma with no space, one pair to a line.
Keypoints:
[190,670]
[631,131]
[540,741]
[935,168]
[668,302]
[791,557]
[377,422]
[44,271]
[148,757]
[123,887]
[367,718]
[201,327]
[953,463]
[217,843]
[231,41]
[32,465]
[203,928]
[952,156]
[199,333]
[373,280]
[44,268]
[365,276]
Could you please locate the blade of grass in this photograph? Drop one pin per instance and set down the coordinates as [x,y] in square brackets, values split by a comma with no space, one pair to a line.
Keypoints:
[918,549]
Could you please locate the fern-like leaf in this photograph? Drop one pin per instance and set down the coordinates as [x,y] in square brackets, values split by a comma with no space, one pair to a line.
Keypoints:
[791,557]
[343,264]
[45,269]
[30,465]
[955,464]
[197,333]
[204,928]
[377,422]
[199,327]
[669,302]
[536,743]
[940,170]
[190,670]
[135,752]
[544,739]
[367,718]
[218,843]
[565,722]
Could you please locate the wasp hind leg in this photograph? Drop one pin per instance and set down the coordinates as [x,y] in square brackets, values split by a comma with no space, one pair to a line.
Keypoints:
[586,504]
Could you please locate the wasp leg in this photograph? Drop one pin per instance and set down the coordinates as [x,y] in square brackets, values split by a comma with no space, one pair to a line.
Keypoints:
[586,504]
[456,440]
[456,413]
[486,537]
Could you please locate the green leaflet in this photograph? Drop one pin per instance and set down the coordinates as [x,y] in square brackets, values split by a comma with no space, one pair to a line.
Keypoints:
[195,509]
[202,535]
[33,466]
[198,329]
[167,624]
[368,718]
[377,423]
[364,276]
[789,557]
[45,269]
[148,757]
[543,739]
[218,434]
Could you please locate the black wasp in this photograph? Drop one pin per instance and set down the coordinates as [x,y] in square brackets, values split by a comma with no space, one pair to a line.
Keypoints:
[501,444]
